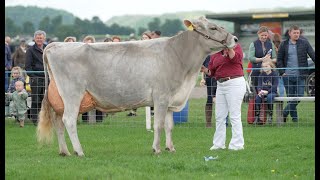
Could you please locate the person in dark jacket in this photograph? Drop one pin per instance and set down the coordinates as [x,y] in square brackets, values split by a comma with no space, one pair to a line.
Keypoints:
[292,58]
[267,88]
[34,68]
[211,84]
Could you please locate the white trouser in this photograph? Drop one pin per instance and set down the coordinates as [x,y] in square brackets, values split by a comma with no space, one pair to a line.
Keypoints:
[229,97]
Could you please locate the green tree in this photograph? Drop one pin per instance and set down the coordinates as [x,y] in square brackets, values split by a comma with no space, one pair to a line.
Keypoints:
[98,27]
[79,24]
[56,22]
[171,27]
[28,27]
[114,28]
[45,24]
[154,25]
[11,29]
[63,31]
[120,30]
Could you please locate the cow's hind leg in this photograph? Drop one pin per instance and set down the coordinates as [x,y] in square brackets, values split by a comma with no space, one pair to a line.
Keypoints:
[69,119]
[59,126]
[168,129]
[160,112]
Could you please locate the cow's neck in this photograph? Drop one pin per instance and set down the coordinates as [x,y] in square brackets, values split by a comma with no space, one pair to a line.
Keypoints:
[189,50]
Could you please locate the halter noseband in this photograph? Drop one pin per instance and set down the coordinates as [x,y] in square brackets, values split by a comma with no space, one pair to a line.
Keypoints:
[208,37]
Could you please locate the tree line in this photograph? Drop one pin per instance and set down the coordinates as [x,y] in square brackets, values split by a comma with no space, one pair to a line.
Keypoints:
[55,28]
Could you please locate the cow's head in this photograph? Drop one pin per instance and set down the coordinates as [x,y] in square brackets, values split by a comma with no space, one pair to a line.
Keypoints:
[215,37]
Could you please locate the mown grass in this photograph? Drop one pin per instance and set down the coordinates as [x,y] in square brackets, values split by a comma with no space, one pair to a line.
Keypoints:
[120,148]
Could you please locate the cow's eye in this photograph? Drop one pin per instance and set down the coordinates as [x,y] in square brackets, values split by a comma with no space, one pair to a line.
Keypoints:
[213,28]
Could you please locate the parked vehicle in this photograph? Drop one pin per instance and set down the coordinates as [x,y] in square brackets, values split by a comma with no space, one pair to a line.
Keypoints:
[310,80]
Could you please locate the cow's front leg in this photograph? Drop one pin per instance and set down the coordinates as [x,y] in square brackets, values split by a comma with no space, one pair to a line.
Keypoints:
[160,112]
[168,128]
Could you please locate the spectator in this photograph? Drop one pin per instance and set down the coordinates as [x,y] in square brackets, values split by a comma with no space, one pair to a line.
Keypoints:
[131,37]
[107,39]
[19,56]
[116,39]
[8,61]
[18,107]
[258,53]
[35,70]
[270,35]
[211,84]
[16,73]
[226,67]
[144,36]
[276,41]
[155,34]
[292,55]
[70,39]
[267,87]
[286,34]
[99,114]
[89,39]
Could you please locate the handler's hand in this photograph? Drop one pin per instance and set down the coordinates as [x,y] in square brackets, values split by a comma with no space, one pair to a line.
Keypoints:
[202,82]
[203,69]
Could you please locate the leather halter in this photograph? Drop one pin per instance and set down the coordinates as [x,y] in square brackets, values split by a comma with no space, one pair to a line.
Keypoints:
[208,37]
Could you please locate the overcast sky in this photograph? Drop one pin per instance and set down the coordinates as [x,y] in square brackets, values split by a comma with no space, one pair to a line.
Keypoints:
[105,9]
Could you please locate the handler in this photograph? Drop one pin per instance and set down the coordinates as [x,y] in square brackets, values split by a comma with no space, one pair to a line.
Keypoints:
[226,67]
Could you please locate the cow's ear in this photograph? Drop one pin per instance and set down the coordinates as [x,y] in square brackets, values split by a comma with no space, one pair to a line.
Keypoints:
[189,25]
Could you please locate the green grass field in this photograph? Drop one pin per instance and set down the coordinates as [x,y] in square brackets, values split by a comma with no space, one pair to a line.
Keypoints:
[120,148]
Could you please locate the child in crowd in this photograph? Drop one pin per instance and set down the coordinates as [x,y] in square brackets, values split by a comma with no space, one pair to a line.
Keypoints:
[18,104]
[16,73]
[267,88]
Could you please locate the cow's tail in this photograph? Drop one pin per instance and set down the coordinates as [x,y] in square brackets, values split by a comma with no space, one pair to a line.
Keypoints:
[46,115]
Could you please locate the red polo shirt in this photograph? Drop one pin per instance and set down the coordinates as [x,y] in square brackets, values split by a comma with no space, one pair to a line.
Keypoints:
[222,67]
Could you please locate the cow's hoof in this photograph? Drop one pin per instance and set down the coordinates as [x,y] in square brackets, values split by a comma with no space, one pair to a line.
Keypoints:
[156,151]
[170,150]
[64,154]
[79,154]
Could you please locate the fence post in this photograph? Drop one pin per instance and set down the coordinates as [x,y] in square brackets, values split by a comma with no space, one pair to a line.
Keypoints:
[279,107]
[148,118]
[92,116]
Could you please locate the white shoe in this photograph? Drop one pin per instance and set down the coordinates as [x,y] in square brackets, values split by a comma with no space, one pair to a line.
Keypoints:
[236,148]
[216,148]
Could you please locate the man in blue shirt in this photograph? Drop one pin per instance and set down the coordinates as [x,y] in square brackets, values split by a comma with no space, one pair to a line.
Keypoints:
[292,58]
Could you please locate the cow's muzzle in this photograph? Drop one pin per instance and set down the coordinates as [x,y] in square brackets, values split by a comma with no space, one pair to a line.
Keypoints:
[235,38]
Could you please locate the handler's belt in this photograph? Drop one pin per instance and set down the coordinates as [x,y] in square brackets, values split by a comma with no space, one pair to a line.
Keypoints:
[221,80]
